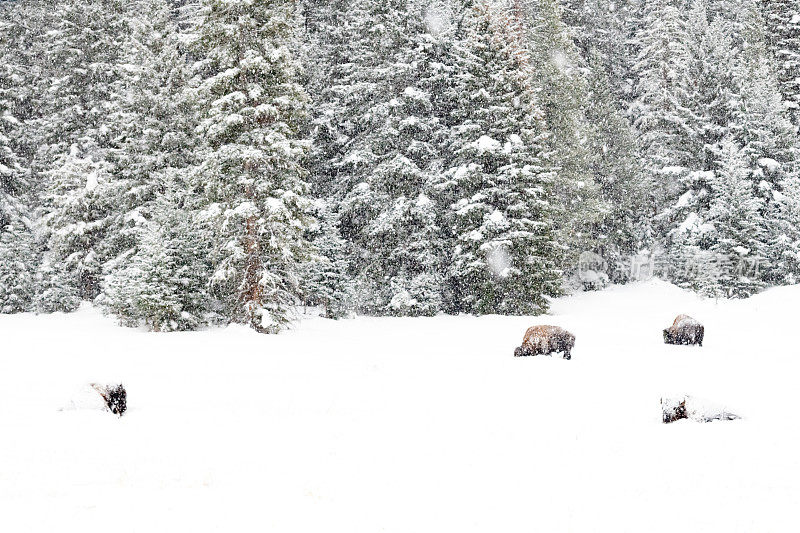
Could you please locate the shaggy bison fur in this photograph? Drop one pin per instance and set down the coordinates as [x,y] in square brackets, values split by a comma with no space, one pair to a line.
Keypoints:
[545,340]
[687,407]
[685,330]
[673,410]
[115,396]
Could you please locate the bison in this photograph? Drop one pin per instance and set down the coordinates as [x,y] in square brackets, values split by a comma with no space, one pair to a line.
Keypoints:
[114,396]
[685,330]
[545,340]
[673,410]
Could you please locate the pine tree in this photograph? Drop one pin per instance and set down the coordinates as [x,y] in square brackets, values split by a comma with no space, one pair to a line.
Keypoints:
[769,143]
[614,164]
[710,84]
[601,30]
[79,209]
[340,59]
[784,250]
[556,66]
[325,279]
[379,130]
[735,213]
[17,254]
[76,130]
[683,111]
[250,171]
[464,152]
[783,34]
[17,263]
[505,259]
[154,126]
[658,112]
[164,285]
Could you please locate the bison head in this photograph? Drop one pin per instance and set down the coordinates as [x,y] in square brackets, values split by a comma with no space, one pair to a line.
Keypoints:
[524,351]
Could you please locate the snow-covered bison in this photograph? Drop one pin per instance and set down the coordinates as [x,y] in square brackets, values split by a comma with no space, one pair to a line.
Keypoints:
[544,340]
[115,396]
[685,330]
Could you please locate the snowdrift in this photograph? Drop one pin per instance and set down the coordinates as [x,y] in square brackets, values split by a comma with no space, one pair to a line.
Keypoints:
[407,424]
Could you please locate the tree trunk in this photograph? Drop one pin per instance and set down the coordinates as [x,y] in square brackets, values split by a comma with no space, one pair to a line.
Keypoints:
[252,292]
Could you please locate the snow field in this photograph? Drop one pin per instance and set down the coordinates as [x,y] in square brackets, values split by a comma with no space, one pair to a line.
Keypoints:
[407,424]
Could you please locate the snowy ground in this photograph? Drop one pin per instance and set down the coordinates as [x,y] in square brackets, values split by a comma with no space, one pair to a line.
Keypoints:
[408,425]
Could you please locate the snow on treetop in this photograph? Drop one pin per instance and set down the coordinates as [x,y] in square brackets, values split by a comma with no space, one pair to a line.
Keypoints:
[462,171]
[280,53]
[685,199]
[463,206]
[403,300]
[672,170]
[234,119]
[475,235]
[497,217]
[274,204]
[358,157]
[8,118]
[487,144]
[702,175]
[212,211]
[252,60]
[413,92]
[410,121]
[245,209]
[692,223]
[513,140]
[135,216]
[769,163]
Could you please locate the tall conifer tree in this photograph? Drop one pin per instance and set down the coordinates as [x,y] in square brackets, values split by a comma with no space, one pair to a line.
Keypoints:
[250,170]
[501,182]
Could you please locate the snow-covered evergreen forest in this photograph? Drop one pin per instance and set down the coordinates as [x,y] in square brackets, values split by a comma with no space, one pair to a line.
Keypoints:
[181,164]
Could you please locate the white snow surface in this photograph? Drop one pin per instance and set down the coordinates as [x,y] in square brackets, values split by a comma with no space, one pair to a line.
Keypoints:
[408,424]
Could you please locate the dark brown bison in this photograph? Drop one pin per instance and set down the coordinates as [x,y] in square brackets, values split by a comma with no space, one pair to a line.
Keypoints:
[685,330]
[673,410]
[545,340]
[115,396]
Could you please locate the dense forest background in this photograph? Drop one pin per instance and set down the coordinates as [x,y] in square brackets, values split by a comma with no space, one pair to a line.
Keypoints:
[189,163]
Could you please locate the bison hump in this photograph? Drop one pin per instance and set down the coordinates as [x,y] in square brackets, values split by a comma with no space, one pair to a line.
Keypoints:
[685,320]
